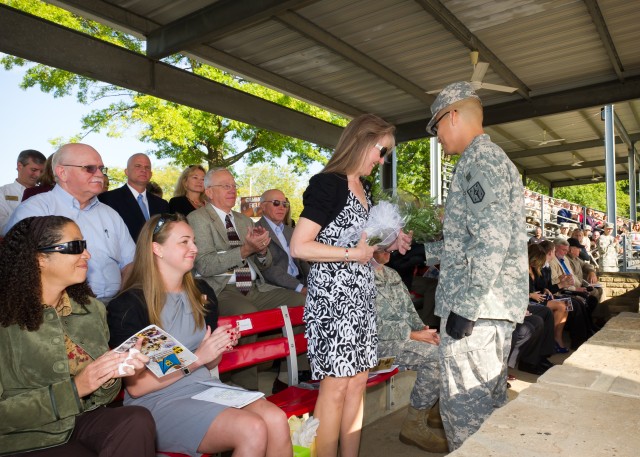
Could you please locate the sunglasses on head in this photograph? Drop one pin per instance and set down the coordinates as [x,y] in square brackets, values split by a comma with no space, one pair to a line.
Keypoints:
[164,218]
[70,247]
[278,203]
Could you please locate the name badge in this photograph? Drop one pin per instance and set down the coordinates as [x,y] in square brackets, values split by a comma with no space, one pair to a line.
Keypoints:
[11,198]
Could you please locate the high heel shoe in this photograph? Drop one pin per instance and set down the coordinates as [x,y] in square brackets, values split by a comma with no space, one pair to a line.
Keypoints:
[561,349]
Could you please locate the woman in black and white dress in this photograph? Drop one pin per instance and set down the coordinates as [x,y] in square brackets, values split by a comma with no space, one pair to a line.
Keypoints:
[340,307]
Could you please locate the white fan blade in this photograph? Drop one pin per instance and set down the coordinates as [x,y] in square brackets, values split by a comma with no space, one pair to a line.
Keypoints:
[434,92]
[479,71]
[498,87]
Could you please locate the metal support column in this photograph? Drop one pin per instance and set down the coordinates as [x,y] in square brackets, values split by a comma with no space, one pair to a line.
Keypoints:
[610,164]
[388,174]
[632,185]
[435,166]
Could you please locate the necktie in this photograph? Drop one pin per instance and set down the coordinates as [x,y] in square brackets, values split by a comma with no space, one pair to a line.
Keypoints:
[564,267]
[143,207]
[292,268]
[243,274]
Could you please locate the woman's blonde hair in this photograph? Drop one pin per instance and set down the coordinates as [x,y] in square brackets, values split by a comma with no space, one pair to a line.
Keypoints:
[181,185]
[145,274]
[358,137]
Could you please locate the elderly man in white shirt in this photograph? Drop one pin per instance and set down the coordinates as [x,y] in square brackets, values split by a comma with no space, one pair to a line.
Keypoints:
[30,168]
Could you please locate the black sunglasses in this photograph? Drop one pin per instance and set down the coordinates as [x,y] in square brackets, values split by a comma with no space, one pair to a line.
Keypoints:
[434,128]
[90,168]
[70,247]
[164,218]
[383,150]
[278,203]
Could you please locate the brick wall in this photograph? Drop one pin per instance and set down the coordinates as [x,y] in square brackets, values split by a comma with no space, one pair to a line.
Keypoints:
[621,291]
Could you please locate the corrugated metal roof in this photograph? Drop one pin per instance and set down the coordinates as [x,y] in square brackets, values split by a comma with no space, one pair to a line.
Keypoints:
[383,56]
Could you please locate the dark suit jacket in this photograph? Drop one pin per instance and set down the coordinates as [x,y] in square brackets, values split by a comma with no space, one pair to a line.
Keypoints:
[277,273]
[123,201]
[215,256]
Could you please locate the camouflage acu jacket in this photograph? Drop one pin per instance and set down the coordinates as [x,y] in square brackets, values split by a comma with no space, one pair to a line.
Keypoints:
[483,256]
[396,315]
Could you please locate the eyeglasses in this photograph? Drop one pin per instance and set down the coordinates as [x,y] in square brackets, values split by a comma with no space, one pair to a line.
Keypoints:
[226,187]
[278,203]
[70,247]
[434,128]
[383,150]
[164,218]
[90,168]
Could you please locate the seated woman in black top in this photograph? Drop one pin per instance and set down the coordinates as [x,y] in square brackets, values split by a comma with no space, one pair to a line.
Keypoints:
[189,193]
[541,291]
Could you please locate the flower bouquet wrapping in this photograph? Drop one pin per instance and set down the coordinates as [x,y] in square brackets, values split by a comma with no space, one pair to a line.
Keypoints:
[382,227]
[419,213]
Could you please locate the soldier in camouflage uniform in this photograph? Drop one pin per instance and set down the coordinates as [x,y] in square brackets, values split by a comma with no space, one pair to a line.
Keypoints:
[483,287]
[403,335]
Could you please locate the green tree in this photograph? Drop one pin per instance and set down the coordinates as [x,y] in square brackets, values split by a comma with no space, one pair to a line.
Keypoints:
[186,135]
[259,178]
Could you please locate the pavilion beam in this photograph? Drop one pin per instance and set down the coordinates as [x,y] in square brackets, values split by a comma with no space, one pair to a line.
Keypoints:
[542,105]
[329,41]
[36,39]
[213,22]
[588,180]
[450,22]
[127,22]
[585,165]
[534,152]
[605,37]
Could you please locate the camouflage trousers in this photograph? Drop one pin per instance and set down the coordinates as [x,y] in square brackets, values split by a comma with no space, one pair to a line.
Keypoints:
[474,377]
[419,357]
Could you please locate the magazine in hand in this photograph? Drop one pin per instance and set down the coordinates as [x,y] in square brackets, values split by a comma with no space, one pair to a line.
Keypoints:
[222,394]
[167,355]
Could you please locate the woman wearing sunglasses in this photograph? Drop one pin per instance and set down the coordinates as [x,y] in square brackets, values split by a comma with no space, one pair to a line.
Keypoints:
[56,372]
[340,308]
[162,291]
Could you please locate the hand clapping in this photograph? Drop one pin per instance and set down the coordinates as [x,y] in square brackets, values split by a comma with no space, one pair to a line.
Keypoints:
[215,343]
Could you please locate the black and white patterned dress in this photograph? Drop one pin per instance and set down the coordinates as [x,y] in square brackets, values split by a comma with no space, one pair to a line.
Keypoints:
[340,312]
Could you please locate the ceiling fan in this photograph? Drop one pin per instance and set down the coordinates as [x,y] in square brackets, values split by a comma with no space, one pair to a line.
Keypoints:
[576,161]
[479,70]
[594,177]
[547,141]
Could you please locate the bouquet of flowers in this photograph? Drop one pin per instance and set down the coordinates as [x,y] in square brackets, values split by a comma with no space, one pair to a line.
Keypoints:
[419,214]
[382,227]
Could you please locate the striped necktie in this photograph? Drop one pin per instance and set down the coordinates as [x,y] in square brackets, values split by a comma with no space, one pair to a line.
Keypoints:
[243,274]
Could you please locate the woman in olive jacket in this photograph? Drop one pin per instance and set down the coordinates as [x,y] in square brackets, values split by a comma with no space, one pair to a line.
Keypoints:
[57,373]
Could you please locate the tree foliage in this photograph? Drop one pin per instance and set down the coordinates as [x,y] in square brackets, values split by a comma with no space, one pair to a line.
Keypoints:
[185,135]
[595,196]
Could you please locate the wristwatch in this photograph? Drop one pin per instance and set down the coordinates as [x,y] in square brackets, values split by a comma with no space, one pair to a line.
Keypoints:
[186,371]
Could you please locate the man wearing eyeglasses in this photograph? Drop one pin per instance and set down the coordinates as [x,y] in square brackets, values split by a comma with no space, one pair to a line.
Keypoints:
[232,255]
[132,201]
[482,289]
[79,172]
[285,271]
[30,166]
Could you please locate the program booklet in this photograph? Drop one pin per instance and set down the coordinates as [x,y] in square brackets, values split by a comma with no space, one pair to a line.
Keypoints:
[167,355]
[222,394]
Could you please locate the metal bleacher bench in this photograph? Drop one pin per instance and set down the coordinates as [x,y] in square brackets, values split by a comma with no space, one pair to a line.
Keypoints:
[294,400]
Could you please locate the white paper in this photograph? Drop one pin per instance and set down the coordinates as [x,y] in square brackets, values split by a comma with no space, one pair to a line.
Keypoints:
[222,394]
[244,324]
[388,370]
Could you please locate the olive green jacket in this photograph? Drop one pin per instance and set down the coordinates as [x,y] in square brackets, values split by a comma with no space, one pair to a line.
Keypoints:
[38,398]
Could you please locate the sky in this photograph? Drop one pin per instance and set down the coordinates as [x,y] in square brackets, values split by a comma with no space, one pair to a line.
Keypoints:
[30,118]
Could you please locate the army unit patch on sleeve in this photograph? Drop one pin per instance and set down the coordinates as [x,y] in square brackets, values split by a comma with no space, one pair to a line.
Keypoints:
[476,192]
[479,194]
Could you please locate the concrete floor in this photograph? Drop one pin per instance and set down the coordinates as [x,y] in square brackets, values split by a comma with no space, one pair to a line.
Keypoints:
[380,438]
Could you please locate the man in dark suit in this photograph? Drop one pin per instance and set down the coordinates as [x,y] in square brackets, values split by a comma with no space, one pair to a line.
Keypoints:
[284,271]
[132,201]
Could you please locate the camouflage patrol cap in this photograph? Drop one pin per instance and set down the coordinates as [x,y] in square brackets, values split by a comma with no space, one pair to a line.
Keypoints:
[454,92]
